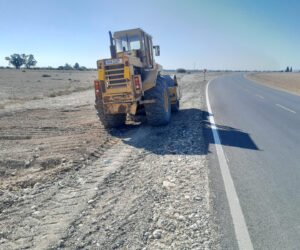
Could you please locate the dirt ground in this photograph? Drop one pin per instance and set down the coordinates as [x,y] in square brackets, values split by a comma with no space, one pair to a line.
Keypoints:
[289,82]
[19,86]
[65,182]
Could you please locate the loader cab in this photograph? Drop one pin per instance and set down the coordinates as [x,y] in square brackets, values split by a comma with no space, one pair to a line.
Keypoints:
[136,43]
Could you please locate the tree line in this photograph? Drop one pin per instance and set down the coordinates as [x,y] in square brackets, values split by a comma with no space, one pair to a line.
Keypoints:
[69,67]
[19,60]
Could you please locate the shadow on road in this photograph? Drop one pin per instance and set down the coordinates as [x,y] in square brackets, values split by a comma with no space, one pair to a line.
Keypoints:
[188,133]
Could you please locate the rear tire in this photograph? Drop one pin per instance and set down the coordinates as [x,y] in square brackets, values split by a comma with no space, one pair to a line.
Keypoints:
[158,113]
[108,120]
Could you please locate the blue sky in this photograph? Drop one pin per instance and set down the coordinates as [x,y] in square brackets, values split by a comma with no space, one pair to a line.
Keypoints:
[220,34]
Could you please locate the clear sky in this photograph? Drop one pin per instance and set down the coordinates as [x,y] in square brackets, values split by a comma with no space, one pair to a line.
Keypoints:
[215,34]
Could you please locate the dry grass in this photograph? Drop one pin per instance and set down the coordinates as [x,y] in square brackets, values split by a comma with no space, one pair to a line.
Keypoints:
[289,82]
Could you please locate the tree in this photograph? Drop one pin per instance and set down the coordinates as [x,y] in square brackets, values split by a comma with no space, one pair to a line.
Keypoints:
[76,66]
[291,69]
[68,67]
[287,69]
[30,61]
[16,60]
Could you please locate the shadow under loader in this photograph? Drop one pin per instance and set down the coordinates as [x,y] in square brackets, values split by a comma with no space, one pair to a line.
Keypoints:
[188,133]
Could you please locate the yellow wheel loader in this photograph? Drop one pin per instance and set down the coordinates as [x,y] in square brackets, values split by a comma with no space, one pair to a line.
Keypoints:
[130,83]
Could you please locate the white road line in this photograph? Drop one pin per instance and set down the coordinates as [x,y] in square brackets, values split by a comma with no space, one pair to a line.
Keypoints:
[260,96]
[285,108]
[240,227]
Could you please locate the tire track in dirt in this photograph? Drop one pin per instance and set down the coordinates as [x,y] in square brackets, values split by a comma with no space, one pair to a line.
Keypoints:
[59,206]
[39,142]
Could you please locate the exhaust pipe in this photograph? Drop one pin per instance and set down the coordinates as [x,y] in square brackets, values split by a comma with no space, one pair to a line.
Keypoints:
[113,52]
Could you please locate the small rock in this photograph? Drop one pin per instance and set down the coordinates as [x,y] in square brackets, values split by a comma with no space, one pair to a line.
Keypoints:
[168,184]
[37,185]
[82,159]
[36,156]
[90,201]
[194,227]
[63,160]
[171,227]
[181,217]
[157,234]
[198,198]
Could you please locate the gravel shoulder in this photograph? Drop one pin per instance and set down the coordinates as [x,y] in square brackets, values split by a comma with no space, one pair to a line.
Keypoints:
[68,183]
[289,82]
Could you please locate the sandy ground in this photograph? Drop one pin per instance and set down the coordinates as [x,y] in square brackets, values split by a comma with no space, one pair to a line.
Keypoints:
[289,82]
[19,86]
[65,182]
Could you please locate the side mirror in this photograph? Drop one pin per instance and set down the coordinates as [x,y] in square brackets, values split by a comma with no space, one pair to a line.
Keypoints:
[157,50]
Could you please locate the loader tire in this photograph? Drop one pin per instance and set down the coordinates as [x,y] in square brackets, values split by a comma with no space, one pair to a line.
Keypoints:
[108,120]
[171,83]
[158,113]
[175,107]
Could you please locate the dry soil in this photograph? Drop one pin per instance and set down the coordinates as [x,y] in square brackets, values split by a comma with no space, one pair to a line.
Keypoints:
[289,82]
[65,182]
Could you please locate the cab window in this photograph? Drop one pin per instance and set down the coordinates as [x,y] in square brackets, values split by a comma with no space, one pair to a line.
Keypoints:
[126,43]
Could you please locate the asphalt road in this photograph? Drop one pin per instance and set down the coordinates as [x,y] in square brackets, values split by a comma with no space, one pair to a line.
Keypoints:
[259,128]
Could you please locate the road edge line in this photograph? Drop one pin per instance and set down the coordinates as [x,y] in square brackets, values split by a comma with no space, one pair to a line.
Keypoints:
[239,223]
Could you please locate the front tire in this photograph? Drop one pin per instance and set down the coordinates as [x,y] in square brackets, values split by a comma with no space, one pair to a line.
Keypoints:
[158,113]
[171,83]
